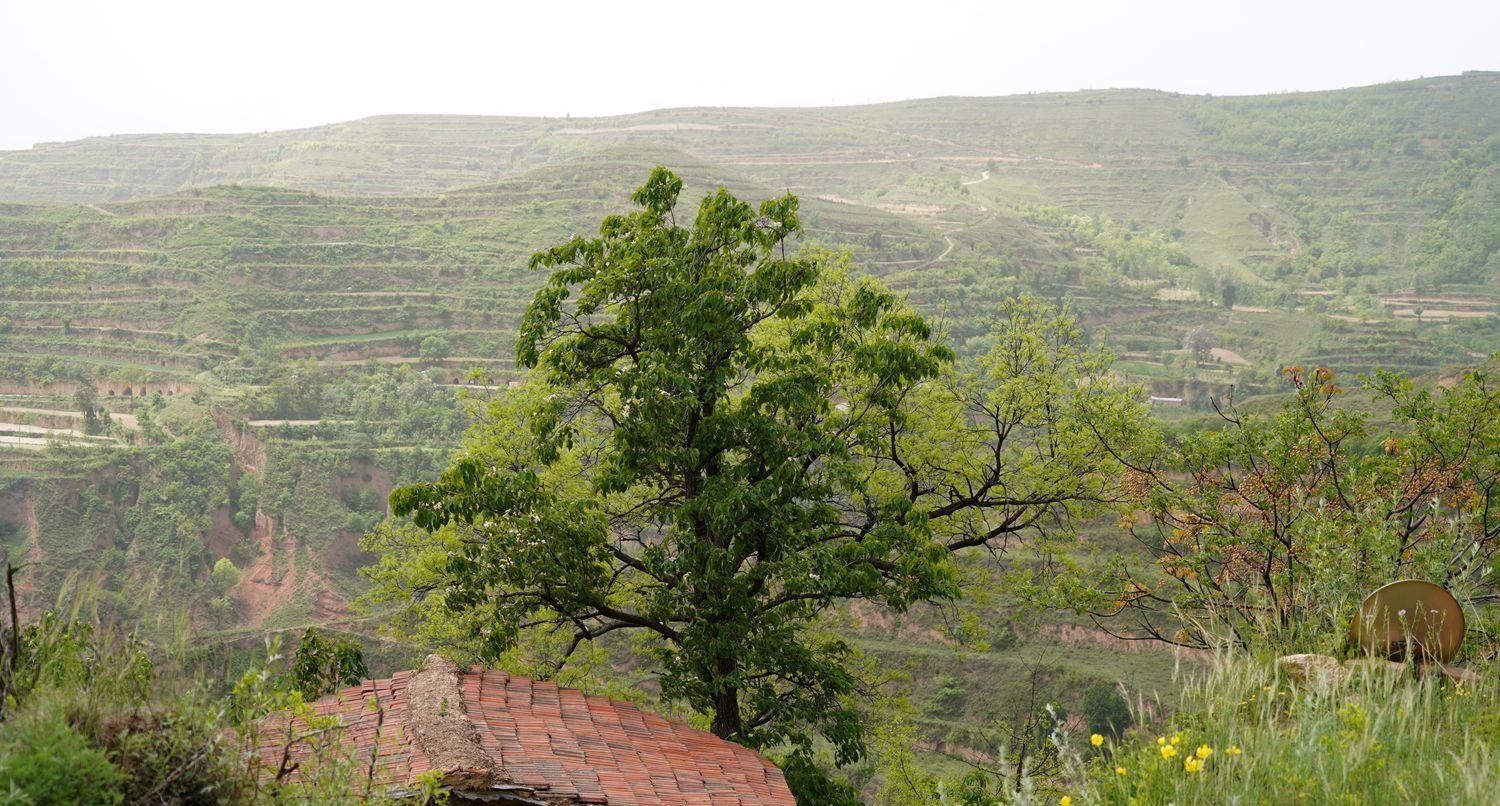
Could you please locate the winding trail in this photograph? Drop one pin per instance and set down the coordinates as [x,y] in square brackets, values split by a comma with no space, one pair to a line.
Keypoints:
[945,251]
[984,176]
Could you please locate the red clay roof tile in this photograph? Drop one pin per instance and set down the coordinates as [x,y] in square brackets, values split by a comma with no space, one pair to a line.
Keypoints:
[558,741]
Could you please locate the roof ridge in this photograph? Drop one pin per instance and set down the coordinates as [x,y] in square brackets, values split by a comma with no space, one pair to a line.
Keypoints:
[440,724]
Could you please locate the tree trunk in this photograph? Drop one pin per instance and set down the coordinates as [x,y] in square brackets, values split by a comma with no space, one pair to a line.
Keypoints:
[728,722]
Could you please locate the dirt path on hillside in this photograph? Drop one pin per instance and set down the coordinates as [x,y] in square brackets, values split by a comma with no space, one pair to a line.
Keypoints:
[945,251]
[647,127]
[275,423]
[1460,301]
[1436,314]
[1079,635]
[946,233]
[127,420]
[20,428]
[1228,356]
[984,176]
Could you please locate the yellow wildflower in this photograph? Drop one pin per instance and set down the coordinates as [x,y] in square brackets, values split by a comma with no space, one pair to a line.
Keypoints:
[1191,764]
[1120,771]
[1096,740]
[1161,740]
[1233,750]
[1167,751]
[1067,800]
[1176,737]
[1204,751]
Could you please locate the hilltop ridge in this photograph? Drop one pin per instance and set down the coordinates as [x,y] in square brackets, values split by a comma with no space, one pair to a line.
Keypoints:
[392,154]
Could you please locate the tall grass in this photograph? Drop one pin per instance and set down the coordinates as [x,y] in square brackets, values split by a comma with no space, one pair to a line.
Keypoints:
[1244,733]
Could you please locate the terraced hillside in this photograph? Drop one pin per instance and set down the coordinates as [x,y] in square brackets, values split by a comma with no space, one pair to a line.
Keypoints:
[232,346]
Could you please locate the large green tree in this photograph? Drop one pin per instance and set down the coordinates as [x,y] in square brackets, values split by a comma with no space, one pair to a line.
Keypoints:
[721,439]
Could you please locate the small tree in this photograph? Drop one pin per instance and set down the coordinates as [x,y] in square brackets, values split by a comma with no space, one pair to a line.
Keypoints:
[323,665]
[434,347]
[1200,344]
[225,575]
[86,398]
[1105,711]
[1280,523]
[1228,293]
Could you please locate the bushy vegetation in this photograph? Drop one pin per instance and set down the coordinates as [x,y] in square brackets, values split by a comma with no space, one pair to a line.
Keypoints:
[89,718]
[1282,521]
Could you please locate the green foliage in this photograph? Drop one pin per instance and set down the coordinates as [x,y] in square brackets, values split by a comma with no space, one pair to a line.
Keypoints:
[87,722]
[183,482]
[171,751]
[46,761]
[1377,739]
[1281,522]
[325,665]
[296,393]
[87,401]
[811,785]
[67,654]
[1105,711]
[720,442]
[434,347]
[225,575]
[1117,253]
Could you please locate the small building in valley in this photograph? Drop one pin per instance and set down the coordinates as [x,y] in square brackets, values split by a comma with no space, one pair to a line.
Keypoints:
[492,737]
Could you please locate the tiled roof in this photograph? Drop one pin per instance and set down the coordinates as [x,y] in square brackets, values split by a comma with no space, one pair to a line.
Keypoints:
[553,744]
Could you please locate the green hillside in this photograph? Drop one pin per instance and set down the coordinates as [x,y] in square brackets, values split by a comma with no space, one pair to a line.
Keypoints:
[279,326]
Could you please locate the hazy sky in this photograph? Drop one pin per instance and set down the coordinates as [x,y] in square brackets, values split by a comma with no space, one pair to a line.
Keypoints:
[74,68]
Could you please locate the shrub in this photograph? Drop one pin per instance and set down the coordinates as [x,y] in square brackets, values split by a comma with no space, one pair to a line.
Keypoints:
[225,574]
[44,758]
[168,751]
[1105,711]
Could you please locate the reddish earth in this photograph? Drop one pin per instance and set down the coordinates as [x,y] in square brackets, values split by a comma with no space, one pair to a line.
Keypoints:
[1077,635]
[345,553]
[261,590]
[223,535]
[249,453]
[873,618]
[327,607]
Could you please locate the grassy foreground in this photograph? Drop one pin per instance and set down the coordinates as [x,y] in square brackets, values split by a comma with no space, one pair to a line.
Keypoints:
[1246,734]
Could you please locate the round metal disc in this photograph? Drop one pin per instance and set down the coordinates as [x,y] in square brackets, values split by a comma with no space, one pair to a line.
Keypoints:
[1411,613]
